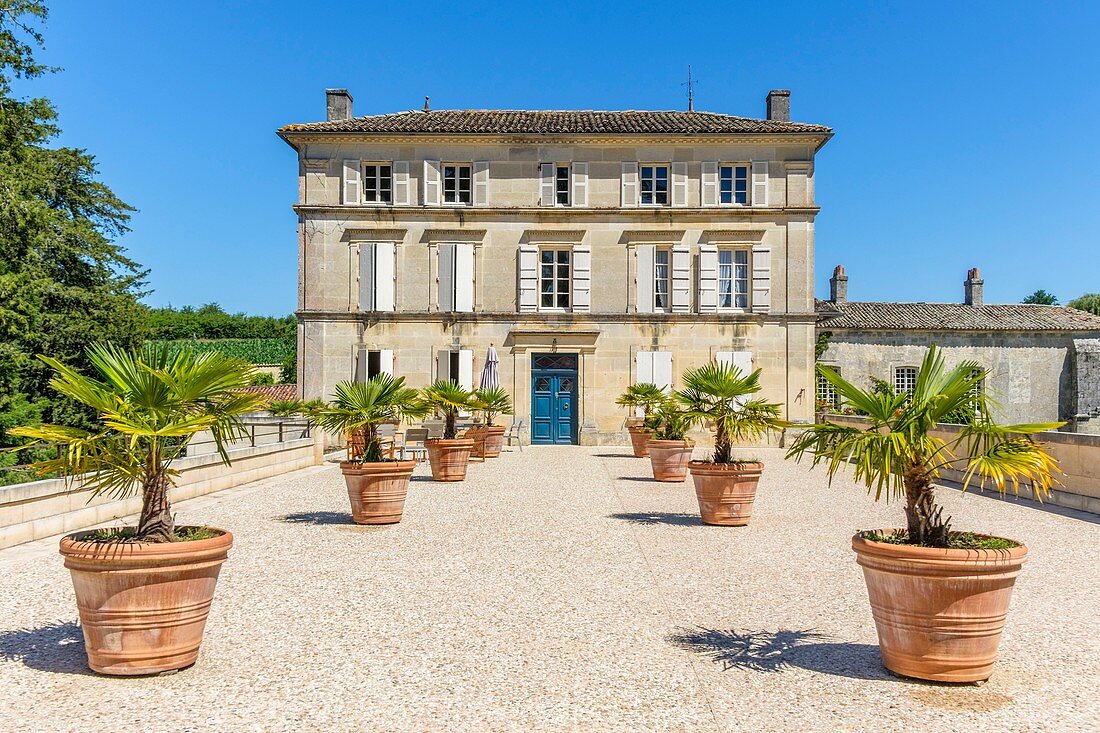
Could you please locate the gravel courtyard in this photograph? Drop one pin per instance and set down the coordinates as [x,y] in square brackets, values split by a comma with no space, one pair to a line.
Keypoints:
[558,589]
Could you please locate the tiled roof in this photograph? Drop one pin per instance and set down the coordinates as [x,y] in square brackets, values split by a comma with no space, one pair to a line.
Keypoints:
[855,315]
[275,391]
[495,122]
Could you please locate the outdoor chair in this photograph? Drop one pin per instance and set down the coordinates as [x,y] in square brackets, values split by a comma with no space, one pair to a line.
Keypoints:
[434,428]
[414,444]
[387,435]
[513,433]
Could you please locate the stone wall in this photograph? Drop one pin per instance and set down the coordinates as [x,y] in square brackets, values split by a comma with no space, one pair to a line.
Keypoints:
[1086,356]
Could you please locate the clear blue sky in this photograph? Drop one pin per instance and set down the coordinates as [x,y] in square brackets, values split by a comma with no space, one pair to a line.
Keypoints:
[965,134]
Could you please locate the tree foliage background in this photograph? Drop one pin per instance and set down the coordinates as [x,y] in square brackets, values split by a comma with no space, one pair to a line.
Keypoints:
[1088,302]
[1041,297]
[63,280]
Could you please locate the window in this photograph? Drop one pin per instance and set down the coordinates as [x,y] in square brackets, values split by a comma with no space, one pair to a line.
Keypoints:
[457,184]
[733,184]
[372,362]
[977,390]
[456,277]
[905,379]
[827,396]
[561,185]
[733,279]
[554,278]
[377,183]
[661,279]
[456,365]
[654,180]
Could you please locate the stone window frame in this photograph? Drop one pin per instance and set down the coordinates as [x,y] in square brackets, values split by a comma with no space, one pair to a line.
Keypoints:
[666,280]
[733,307]
[558,192]
[905,375]
[654,178]
[374,183]
[733,183]
[826,390]
[556,247]
[458,178]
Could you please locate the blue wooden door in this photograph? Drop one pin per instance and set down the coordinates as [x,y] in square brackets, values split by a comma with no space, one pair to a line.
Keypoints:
[554,398]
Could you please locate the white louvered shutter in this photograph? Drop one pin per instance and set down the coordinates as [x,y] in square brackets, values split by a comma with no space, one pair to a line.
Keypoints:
[643,367]
[630,184]
[366,276]
[582,278]
[760,183]
[680,184]
[385,361]
[351,182]
[709,183]
[644,278]
[662,370]
[546,184]
[383,276]
[528,296]
[708,278]
[446,277]
[481,183]
[361,365]
[464,277]
[740,359]
[466,369]
[761,279]
[402,192]
[442,365]
[681,279]
[432,185]
[580,185]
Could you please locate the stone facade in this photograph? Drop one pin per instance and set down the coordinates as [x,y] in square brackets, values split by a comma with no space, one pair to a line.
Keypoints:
[610,240]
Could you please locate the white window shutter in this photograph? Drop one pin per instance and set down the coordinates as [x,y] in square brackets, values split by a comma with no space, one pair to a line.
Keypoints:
[630,184]
[644,277]
[680,184]
[582,278]
[681,279]
[432,185]
[643,367]
[466,369]
[402,192]
[761,279]
[446,277]
[351,182]
[546,184]
[708,278]
[366,276]
[709,183]
[385,361]
[760,183]
[662,370]
[383,276]
[481,183]
[527,299]
[361,365]
[580,184]
[464,277]
[442,365]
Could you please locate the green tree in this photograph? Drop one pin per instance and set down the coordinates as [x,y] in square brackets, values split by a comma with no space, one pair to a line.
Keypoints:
[1041,297]
[64,282]
[1088,302]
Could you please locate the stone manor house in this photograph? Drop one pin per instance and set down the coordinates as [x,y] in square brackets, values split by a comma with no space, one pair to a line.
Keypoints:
[591,249]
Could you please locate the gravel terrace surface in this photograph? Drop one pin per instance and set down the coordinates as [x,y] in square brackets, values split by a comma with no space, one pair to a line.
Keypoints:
[558,589]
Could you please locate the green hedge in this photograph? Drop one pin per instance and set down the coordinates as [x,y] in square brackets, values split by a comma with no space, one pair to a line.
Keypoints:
[256,351]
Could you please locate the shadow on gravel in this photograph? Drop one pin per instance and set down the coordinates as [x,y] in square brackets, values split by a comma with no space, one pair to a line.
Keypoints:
[771,651]
[317,518]
[673,518]
[56,647]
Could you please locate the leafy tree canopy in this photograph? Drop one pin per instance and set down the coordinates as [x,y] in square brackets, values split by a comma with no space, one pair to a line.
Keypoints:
[1088,302]
[211,321]
[1041,297]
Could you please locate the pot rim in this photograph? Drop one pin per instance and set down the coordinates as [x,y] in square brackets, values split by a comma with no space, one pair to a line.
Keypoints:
[671,443]
[71,546]
[864,546]
[346,466]
[450,442]
[638,429]
[711,465]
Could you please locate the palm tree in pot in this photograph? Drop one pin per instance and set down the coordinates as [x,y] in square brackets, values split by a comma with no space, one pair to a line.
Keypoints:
[143,593]
[492,401]
[668,446]
[449,455]
[377,486]
[645,397]
[938,597]
[720,395]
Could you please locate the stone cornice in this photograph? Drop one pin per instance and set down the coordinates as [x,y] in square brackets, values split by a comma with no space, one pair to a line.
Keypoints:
[452,235]
[732,236]
[544,321]
[294,139]
[553,235]
[367,234]
[316,164]
[540,213]
[664,236]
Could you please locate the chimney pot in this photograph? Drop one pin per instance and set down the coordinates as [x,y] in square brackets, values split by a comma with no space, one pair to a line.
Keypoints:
[337,105]
[972,288]
[779,105]
[838,286]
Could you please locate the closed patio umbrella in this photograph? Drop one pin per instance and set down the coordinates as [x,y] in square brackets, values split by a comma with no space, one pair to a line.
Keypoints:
[490,373]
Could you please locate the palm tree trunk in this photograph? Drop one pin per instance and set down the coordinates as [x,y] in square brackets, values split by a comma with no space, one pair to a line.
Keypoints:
[156,523]
[924,516]
[721,445]
[449,431]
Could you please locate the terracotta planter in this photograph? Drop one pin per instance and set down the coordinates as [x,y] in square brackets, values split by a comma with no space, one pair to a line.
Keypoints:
[494,440]
[725,491]
[939,613]
[449,457]
[377,490]
[478,435]
[669,459]
[143,605]
[638,438]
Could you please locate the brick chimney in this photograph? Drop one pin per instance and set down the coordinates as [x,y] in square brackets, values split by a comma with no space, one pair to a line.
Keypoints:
[779,105]
[838,286]
[972,288]
[337,105]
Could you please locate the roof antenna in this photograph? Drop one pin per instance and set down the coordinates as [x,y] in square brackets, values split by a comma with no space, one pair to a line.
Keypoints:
[690,84]
[427,107]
